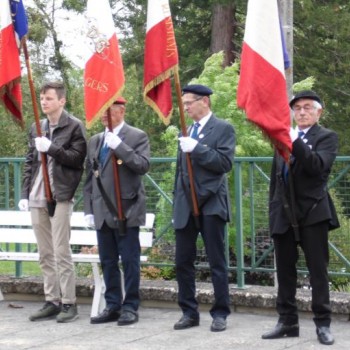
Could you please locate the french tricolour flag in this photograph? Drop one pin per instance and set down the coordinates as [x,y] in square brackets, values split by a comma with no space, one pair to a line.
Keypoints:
[262,88]
[10,68]
[104,72]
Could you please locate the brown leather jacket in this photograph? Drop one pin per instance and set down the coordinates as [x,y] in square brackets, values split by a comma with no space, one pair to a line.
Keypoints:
[68,150]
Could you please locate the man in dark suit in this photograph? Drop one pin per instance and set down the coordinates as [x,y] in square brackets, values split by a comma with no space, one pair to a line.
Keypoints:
[211,147]
[130,149]
[305,184]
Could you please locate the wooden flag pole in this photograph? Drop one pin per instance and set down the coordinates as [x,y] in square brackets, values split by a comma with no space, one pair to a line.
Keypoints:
[121,217]
[48,192]
[188,158]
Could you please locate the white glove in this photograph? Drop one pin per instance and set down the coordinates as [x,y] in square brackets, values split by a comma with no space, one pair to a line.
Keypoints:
[112,140]
[23,205]
[42,144]
[187,144]
[89,220]
[293,134]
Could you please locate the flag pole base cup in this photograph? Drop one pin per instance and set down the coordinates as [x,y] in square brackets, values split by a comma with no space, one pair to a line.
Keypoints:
[51,206]
[197,222]
[122,227]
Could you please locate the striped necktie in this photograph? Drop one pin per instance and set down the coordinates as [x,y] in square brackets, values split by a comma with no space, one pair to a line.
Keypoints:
[195,130]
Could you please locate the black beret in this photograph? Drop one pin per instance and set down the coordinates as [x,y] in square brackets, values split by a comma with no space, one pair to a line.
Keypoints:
[197,89]
[305,94]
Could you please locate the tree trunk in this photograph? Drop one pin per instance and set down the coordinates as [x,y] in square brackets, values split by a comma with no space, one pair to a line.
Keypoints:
[223,26]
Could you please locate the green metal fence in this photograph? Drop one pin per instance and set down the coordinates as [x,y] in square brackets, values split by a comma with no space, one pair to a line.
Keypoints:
[248,246]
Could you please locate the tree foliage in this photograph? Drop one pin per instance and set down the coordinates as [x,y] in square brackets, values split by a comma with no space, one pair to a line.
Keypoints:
[321,51]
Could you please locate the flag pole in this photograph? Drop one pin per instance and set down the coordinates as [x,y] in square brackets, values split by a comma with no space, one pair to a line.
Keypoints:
[48,192]
[121,217]
[188,158]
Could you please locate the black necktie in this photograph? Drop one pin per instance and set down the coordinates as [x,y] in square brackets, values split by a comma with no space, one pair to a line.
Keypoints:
[195,130]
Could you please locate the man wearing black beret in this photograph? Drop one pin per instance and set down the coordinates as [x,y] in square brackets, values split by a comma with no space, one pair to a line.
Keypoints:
[305,184]
[211,144]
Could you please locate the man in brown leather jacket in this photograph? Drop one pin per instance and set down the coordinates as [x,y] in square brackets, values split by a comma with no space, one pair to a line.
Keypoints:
[64,144]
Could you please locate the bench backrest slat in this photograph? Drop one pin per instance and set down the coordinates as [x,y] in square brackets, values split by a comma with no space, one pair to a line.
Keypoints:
[20,230]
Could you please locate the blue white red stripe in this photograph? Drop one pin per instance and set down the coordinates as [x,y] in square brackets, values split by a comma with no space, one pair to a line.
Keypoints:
[10,68]
[262,88]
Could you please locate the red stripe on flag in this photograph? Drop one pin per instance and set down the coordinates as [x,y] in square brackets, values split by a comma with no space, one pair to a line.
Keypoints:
[103,80]
[262,94]
[10,74]
[161,61]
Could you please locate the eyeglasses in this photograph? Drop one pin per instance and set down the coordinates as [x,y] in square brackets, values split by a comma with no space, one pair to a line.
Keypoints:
[306,108]
[189,103]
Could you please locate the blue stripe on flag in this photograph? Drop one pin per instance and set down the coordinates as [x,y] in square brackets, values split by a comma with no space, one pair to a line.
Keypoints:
[19,18]
[284,48]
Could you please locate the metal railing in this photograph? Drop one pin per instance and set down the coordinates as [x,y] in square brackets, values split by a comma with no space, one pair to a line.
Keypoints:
[249,250]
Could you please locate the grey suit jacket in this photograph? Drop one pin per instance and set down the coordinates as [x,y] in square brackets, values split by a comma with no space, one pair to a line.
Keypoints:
[133,156]
[211,159]
[313,159]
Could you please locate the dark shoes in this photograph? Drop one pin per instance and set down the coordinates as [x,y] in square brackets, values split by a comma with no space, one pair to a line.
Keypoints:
[186,322]
[47,312]
[69,313]
[281,330]
[127,317]
[324,335]
[107,315]
[218,324]
[124,317]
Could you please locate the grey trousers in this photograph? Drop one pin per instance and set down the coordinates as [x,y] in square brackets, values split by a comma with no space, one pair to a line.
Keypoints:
[55,259]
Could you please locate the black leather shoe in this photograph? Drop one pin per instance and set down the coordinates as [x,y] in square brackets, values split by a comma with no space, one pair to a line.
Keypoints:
[127,317]
[186,322]
[324,335]
[218,324]
[107,315]
[282,330]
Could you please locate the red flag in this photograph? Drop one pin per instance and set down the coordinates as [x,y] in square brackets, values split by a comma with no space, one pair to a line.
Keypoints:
[104,73]
[262,88]
[10,67]
[161,58]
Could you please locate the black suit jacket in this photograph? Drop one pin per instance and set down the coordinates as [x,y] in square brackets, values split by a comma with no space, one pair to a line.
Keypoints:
[313,158]
[211,159]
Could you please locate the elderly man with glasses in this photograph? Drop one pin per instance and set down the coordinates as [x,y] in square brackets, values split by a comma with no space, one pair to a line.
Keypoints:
[210,147]
[301,212]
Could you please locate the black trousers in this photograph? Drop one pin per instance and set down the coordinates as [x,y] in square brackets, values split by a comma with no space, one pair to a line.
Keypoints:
[314,243]
[213,233]
[110,246]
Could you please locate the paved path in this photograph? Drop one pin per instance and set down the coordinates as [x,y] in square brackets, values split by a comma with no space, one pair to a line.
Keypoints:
[154,331]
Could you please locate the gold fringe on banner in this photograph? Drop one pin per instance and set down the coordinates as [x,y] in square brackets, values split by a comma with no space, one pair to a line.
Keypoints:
[154,83]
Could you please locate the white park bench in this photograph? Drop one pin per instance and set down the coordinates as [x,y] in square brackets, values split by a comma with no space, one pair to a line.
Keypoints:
[16,227]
